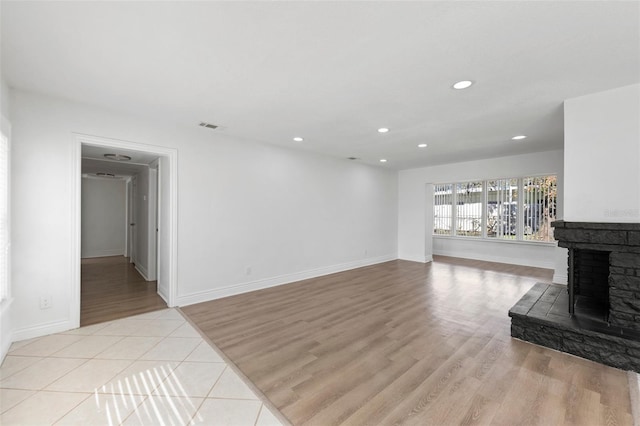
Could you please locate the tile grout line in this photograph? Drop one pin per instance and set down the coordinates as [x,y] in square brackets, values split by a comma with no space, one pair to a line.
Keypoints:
[146,396]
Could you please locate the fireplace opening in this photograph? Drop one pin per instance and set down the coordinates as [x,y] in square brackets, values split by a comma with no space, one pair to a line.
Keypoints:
[589,283]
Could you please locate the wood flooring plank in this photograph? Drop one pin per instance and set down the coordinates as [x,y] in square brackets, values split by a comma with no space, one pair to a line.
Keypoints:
[408,343]
[111,288]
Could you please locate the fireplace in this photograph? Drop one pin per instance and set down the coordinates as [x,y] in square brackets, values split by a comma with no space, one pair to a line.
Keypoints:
[597,315]
[604,269]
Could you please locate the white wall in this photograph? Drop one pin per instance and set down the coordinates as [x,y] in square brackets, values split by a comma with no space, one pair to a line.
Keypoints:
[141,221]
[5,101]
[415,209]
[6,325]
[602,156]
[104,219]
[163,223]
[282,213]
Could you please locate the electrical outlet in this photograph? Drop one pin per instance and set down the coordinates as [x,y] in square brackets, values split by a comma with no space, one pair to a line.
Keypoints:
[45,302]
[248,270]
[366,252]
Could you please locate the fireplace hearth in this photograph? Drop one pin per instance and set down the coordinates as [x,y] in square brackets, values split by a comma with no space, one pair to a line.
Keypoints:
[597,315]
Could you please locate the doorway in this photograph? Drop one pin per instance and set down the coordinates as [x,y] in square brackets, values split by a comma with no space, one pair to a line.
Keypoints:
[151,246]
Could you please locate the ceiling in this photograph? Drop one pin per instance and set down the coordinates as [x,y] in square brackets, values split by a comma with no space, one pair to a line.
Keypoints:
[333,72]
[94,161]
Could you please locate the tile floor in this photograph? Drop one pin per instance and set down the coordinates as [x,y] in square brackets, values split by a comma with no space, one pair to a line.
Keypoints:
[151,369]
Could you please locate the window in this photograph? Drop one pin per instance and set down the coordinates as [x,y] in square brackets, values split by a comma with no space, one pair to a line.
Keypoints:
[518,209]
[469,209]
[539,195]
[443,209]
[4,217]
[502,208]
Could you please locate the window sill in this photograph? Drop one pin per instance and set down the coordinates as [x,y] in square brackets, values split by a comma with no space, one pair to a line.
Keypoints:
[497,240]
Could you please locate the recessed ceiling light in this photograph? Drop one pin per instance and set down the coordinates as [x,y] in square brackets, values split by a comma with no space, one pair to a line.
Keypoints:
[117,157]
[519,137]
[422,145]
[383,160]
[298,139]
[462,84]
[383,130]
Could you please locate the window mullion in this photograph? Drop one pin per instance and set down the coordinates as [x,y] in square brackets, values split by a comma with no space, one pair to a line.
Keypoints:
[483,214]
[520,211]
[454,209]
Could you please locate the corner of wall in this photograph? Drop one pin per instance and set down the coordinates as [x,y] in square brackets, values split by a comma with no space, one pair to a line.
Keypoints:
[6,333]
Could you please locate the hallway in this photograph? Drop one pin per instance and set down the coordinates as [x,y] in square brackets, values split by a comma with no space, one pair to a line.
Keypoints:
[113,289]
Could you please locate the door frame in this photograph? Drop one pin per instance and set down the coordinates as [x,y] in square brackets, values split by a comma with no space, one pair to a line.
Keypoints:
[131,251]
[171,255]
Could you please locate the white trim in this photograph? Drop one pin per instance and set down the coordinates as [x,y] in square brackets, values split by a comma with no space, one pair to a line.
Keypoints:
[234,289]
[127,228]
[489,257]
[416,258]
[76,235]
[104,253]
[152,222]
[497,240]
[165,297]
[142,271]
[560,278]
[43,330]
[76,176]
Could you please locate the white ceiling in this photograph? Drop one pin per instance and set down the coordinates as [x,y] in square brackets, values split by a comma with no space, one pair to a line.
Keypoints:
[333,72]
[94,161]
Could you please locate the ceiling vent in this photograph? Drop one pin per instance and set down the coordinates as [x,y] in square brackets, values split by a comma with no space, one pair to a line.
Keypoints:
[103,174]
[352,158]
[208,125]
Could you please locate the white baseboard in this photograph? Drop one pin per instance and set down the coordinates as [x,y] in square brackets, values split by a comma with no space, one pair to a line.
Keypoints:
[218,293]
[488,257]
[164,296]
[560,278]
[42,330]
[413,258]
[143,271]
[103,253]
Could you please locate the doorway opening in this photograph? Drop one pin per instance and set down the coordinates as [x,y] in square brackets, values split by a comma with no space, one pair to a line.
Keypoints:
[126,224]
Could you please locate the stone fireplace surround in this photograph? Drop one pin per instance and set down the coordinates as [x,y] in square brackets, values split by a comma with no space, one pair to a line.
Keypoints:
[597,316]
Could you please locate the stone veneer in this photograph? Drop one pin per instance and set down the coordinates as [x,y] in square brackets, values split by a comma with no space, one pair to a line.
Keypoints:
[542,317]
[608,333]
[622,242]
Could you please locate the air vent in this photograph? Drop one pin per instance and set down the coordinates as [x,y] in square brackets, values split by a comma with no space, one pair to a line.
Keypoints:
[102,174]
[352,158]
[208,125]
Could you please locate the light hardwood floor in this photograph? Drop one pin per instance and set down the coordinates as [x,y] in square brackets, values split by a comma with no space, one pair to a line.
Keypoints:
[408,343]
[113,289]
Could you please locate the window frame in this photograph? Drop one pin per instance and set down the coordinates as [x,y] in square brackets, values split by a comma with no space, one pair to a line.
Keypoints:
[519,236]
